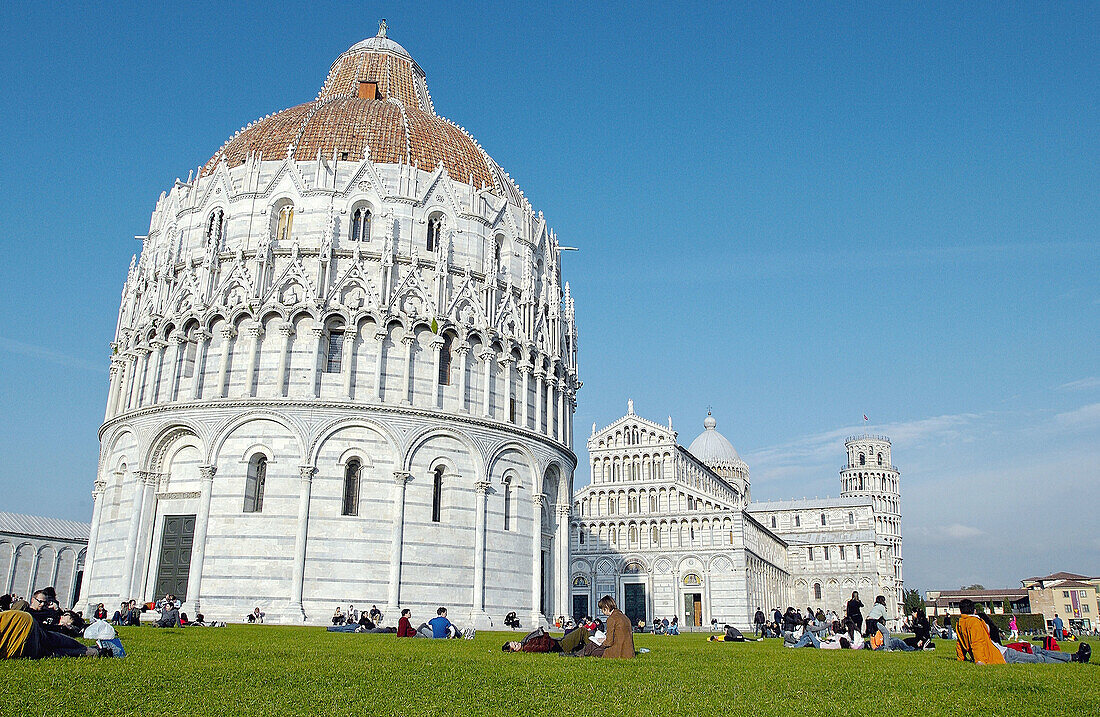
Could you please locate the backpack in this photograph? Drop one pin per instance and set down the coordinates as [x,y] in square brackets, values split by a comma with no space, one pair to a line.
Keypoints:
[1049,643]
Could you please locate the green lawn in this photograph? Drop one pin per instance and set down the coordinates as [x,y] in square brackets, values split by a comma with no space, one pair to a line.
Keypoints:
[273,671]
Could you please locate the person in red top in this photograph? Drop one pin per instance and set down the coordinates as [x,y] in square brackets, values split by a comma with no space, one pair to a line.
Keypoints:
[404,627]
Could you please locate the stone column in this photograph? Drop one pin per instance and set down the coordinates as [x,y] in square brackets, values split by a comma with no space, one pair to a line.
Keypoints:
[227,333]
[137,368]
[400,478]
[380,364]
[561,411]
[305,485]
[437,387]
[479,617]
[145,533]
[536,559]
[93,537]
[201,340]
[177,340]
[540,377]
[153,390]
[407,381]
[486,357]
[525,404]
[286,330]
[347,365]
[254,332]
[33,575]
[561,559]
[198,545]
[318,354]
[112,392]
[550,405]
[462,349]
[144,488]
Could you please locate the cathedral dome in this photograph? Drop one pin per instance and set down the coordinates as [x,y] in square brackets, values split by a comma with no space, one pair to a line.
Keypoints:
[374,100]
[712,448]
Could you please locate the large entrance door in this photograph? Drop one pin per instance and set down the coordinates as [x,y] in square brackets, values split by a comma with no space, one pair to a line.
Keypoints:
[693,609]
[580,606]
[634,602]
[175,556]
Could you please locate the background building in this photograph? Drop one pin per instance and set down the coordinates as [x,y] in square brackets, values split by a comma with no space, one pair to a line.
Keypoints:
[36,552]
[1076,598]
[946,602]
[344,370]
[671,531]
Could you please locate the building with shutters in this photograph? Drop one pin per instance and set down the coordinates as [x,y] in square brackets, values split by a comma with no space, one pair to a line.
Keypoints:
[344,371]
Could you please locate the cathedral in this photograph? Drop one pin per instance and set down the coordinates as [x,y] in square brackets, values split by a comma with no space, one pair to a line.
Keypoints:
[672,531]
[344,370]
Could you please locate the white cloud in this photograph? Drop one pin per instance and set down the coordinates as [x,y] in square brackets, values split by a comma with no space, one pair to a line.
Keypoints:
[1082,417]
[44,354]
[1081,384]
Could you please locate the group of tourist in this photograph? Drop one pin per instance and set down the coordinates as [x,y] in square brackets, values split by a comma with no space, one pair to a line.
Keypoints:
[39,627]
[616,642]
[369,619]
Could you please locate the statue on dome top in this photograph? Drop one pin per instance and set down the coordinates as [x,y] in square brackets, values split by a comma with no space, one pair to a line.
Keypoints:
[382,28]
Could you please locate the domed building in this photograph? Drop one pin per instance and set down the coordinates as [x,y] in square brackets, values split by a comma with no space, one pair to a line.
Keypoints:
[718,454]
[344,371]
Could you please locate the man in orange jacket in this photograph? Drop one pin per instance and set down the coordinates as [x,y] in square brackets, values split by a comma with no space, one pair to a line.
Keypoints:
[973,644]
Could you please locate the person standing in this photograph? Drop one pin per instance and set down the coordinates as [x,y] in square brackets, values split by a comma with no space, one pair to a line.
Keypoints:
[758,622]
[854,611]
[1012,628]
[1059,628]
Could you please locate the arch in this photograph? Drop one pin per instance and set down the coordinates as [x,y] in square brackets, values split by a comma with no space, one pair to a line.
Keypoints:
[228,426]
[362,216]
[167,437]
[328,430]
[431,432]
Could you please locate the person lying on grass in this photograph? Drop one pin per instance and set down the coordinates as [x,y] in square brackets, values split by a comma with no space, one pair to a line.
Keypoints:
[732,634]
[21,636]
[973,644]
[541,641]
[844,636]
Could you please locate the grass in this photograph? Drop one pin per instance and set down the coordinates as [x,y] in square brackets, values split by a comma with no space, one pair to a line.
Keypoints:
[275,670]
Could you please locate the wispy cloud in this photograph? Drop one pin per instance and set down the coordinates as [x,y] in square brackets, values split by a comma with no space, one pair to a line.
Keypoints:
[1083,417]
[44,354]
[936,534]
[1082,384]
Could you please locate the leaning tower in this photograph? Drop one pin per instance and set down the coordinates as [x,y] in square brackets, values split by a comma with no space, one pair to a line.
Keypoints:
[870,474]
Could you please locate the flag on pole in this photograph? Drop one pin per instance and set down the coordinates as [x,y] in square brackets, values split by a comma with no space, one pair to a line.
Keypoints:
[865,417]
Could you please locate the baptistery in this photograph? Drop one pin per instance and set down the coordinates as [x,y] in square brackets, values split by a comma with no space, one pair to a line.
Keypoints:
[344,371]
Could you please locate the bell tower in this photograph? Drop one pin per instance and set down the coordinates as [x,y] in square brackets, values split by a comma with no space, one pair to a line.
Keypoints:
[871,474]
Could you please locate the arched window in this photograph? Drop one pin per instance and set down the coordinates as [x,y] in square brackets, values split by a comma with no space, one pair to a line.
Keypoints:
[611,505]
[335,351]
[655,536]
[842,552]
[437,495]
[512,408]
[498,247]
[508,508]
[862,459]
[633,535]
[810,553]
[880,459]
[826,552]
[351,487]
[798,521]
[851,518]
[614,536]
[653,503]
[445,360]
[823,519]
[215,229]
[435,230]
[580,535]
[286,223]
[773,521]
[817,591]
[254,484]
[360,224]
[858,556]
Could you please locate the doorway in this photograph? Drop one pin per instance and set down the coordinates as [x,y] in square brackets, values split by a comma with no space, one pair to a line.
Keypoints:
[580,607]
[634,602]
[693,609]
[174,565]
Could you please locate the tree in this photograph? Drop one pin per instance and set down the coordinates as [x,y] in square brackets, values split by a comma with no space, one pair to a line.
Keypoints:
[912,601]
[975,586]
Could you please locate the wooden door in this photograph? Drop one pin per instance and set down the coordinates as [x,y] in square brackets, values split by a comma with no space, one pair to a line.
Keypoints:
[174,565]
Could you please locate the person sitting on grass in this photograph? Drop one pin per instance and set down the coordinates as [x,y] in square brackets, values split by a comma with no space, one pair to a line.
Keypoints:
[256,616]
[674,626]
[974,644]
[169,614]
[121,615]
[922,631]
[619,641]
[375,615]
[338,617]
[100,612]
[44,609]
[21,636]
[876,616]
[845,636]
[404,626]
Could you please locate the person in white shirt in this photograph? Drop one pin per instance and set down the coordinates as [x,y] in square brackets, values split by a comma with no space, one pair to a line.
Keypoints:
[876,617]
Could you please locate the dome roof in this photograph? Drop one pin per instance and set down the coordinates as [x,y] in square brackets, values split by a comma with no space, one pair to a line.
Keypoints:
[712,448]
[375,98]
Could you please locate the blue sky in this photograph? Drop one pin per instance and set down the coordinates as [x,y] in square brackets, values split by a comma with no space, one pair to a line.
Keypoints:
[793,215]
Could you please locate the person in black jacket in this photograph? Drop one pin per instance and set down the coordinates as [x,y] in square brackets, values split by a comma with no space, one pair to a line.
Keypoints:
[758,622]
[922,631]
[854,610]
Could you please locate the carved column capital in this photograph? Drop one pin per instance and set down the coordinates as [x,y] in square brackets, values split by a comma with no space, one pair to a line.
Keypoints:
[100,486]
[487,355]
[538,499]
[402,477]
[178,338]
[462,349]
[147,477]
[206,473]
[408,339]
[254,331]
[286,329]
[306,473]
[158,344]
[564,509]
[481,487]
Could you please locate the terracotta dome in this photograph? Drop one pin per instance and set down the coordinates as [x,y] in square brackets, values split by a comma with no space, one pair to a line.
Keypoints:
[374,99]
